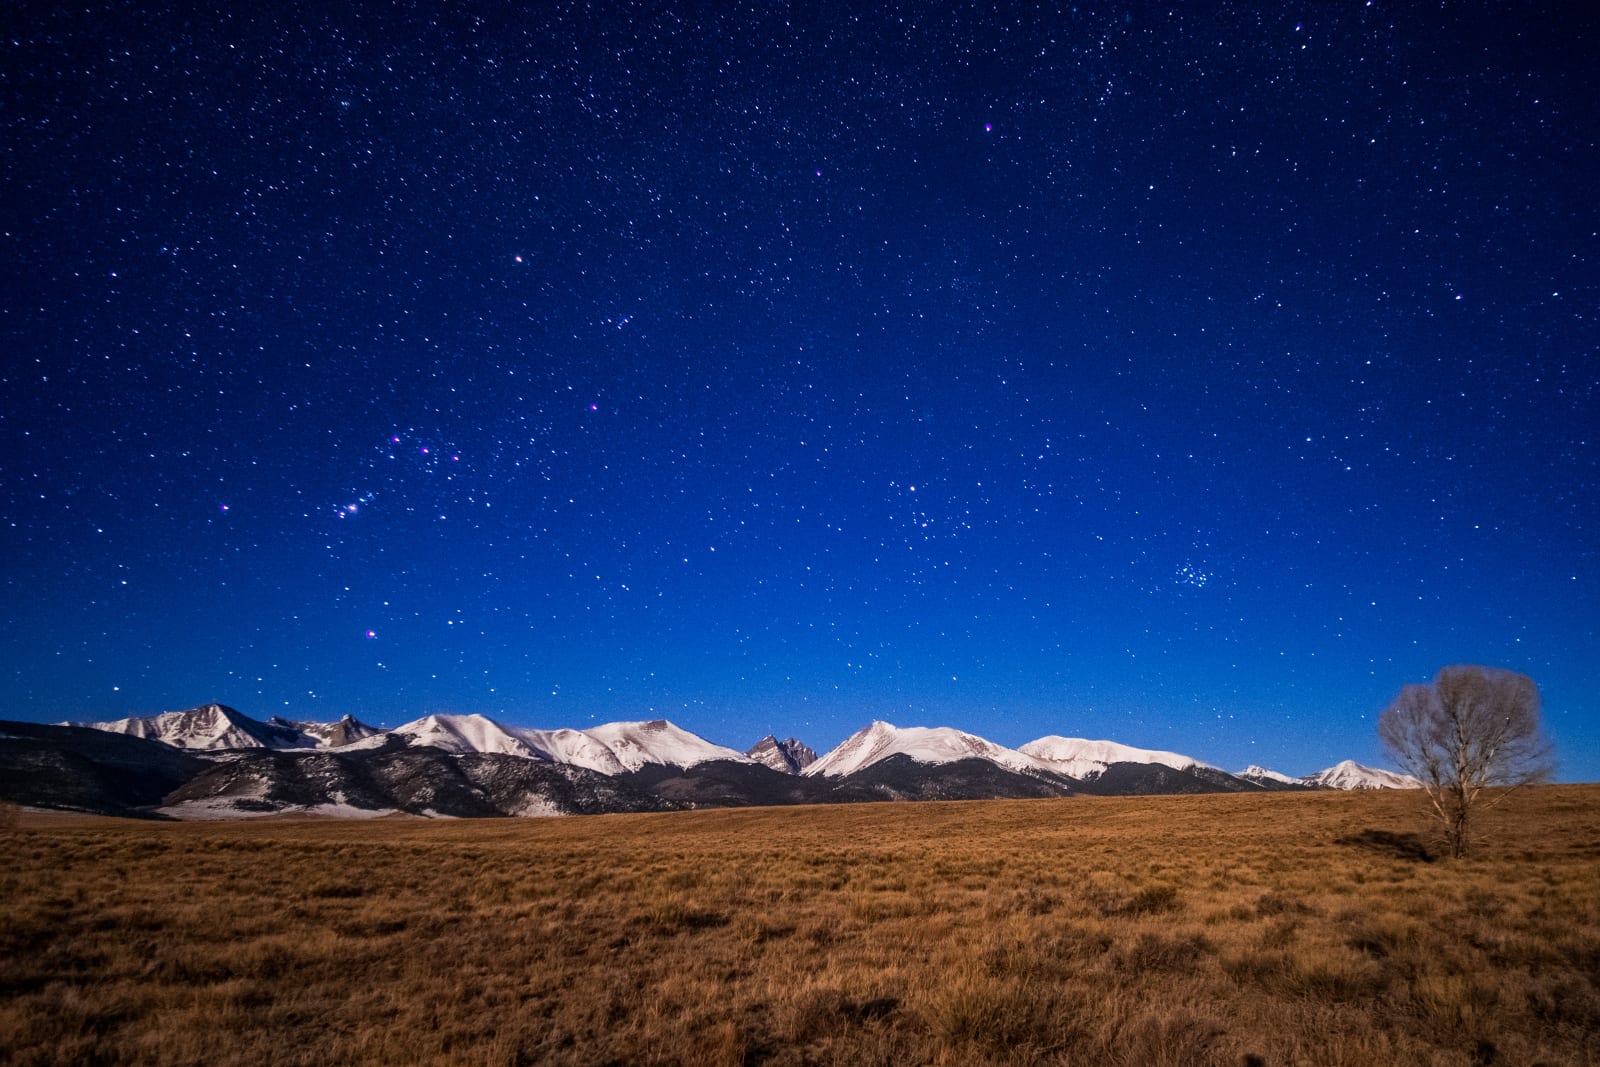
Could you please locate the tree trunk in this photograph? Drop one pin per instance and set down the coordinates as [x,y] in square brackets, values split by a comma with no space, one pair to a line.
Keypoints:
[1458,833]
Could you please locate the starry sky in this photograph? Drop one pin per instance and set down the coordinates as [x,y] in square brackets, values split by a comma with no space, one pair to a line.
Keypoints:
[1189,379]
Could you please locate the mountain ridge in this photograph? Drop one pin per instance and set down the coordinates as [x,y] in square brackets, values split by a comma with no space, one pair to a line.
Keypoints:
[475,766]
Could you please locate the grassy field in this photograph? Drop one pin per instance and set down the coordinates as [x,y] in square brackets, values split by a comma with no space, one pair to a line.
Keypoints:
[1237,929]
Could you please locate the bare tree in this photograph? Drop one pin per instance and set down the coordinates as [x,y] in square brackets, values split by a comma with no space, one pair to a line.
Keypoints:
[1472,729]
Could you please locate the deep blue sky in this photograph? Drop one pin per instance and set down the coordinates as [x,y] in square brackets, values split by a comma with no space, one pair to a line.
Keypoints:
[1194,381]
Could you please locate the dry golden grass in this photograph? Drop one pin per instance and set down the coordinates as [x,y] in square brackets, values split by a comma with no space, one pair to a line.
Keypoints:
[1286,929]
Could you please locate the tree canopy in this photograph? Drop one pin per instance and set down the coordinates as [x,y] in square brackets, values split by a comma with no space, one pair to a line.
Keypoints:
[1471,729]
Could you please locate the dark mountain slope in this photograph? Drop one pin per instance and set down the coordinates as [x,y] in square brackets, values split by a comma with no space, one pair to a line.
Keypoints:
[902,778]
[725,784]
[1146,779]
[80,769]
[420,780]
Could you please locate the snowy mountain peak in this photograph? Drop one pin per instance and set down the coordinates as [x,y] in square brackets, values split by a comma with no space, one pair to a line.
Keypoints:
[1078,757]
[1348,774]
[1257,773]
[466,733]
[572,747]
[925,744]
[208,727]
[789,755]
[636,744]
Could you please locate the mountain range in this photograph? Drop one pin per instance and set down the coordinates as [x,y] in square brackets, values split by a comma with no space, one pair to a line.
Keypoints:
[216,762]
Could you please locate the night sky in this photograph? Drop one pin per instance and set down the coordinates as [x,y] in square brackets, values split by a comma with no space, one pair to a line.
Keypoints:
[1189,380]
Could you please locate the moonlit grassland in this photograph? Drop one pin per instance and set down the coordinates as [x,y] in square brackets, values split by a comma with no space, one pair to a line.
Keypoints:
[1234,929]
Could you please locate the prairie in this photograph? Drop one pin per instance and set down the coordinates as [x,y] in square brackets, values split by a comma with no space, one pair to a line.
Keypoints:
[1232,929]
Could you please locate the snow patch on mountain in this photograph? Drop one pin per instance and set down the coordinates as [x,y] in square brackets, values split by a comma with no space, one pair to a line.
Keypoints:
[1080,758]
[539,808]
[250,800]
[344,811]
[213,809]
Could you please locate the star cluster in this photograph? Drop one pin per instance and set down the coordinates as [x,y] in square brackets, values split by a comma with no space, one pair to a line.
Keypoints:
[1189,379]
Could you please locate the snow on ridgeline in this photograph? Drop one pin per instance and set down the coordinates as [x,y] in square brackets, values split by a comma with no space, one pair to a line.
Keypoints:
[613,748]
[1257,773]
[925,744]
[659,741]
[573,747]
[461,734]
[217,727]
[610,749]
[209,727]
[1080,758]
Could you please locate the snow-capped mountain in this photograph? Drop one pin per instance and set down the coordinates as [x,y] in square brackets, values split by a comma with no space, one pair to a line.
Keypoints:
[1348,774]
[572,747]
[1344,775]
[466,733]
[478,733]
[636,744]
[789,755]
[1080,758]
[1258,774]
[217,727]
[925,744]
[208,727]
